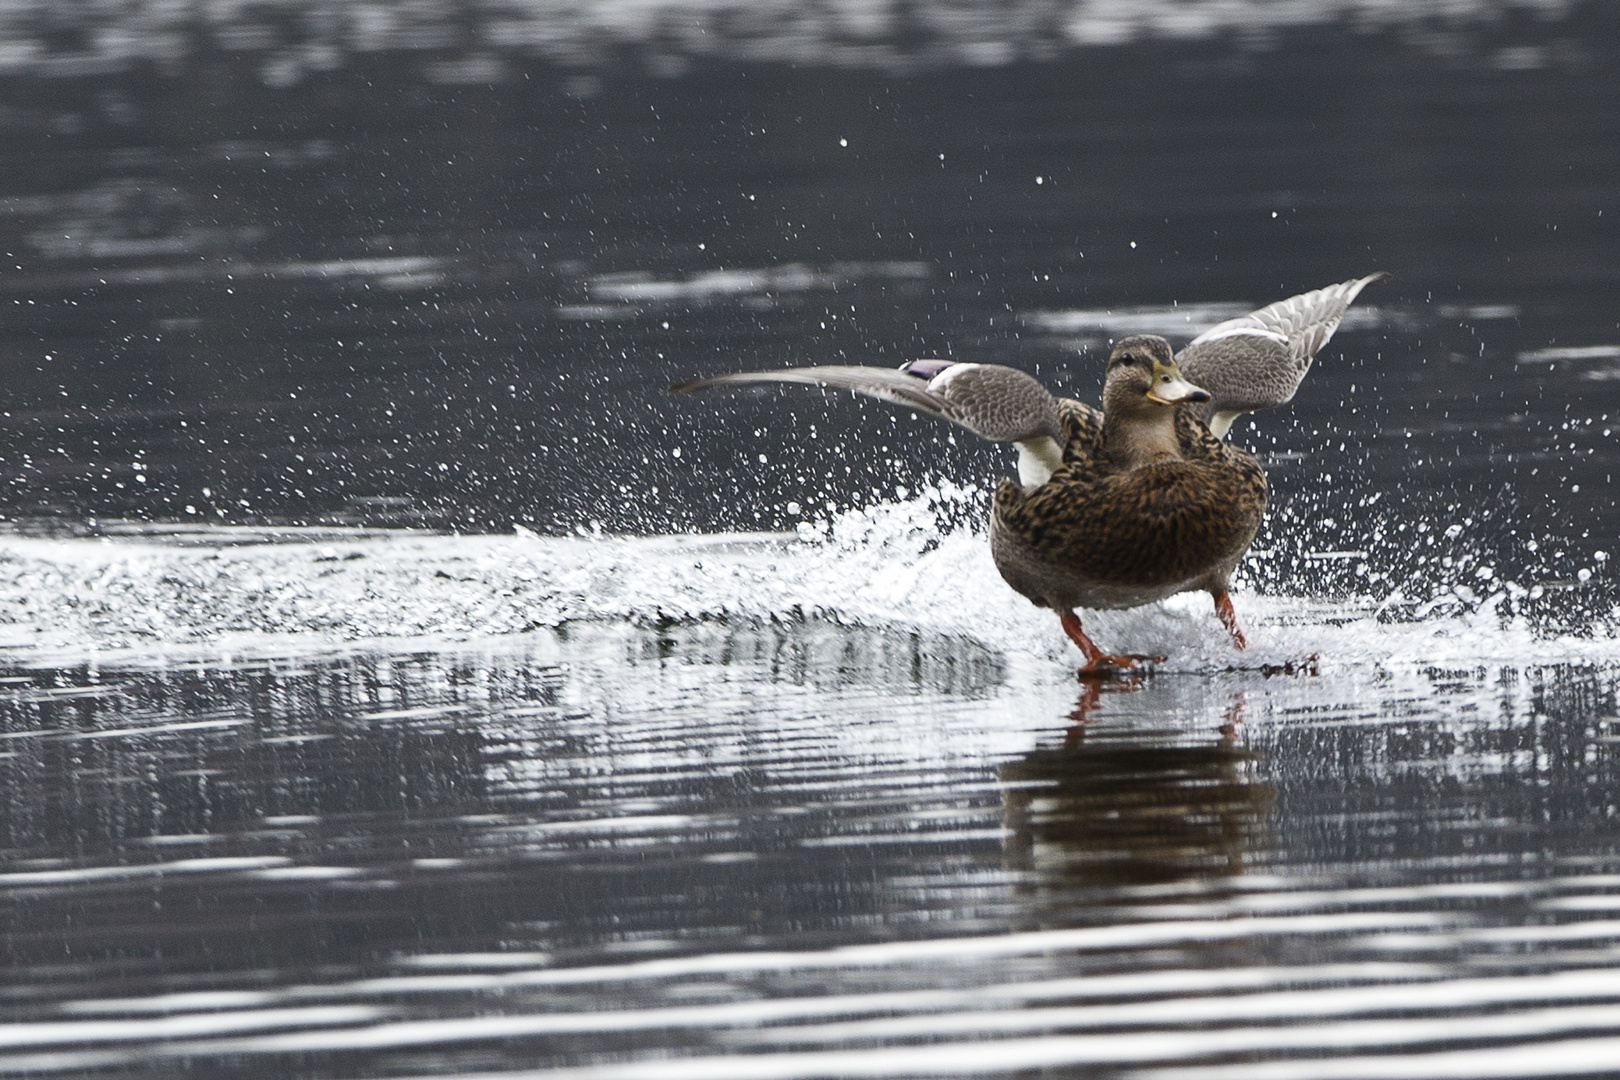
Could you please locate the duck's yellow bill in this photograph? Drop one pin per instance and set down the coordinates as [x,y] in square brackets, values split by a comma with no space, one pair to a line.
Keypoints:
[1175,391]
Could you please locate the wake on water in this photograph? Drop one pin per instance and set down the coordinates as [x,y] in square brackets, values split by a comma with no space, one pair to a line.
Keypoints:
[907,565]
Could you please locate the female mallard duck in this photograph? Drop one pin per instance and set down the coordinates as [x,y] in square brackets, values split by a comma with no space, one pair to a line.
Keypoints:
[1137,502]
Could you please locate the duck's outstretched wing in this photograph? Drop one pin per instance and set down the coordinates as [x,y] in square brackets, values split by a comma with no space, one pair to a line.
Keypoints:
[886,384]
[1257,360]
[997,403]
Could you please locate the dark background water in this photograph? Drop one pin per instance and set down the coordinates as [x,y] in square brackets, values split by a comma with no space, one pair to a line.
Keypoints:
[247,283]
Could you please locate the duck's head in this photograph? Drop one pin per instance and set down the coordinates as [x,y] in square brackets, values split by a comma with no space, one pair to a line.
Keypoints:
[1144,381]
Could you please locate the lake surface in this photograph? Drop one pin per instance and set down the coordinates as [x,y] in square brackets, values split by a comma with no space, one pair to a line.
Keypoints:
[396,682]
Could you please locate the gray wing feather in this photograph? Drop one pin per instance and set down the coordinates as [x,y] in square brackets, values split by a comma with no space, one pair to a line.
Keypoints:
[886,384]
[997,403]
[1258,360]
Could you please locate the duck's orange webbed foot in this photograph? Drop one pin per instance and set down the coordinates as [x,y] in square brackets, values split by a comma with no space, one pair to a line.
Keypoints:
[1099,663]
[1110,664]
[1223,608]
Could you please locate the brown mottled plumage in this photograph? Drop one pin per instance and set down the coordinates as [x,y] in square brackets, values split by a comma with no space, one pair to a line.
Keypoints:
[1097,535]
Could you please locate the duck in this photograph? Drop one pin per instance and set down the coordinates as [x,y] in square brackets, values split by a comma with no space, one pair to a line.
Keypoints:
[1139,500]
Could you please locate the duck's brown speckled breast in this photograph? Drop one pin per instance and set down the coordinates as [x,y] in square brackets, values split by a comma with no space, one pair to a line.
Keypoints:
[1098,536]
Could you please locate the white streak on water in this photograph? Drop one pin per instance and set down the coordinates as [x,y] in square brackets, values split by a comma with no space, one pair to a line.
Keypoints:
[1054,1051]
[191,1025]
[306,873]
[1184,320]
[1291,1004]
[468,961]
[1610,902]
[940,837]
[233,864]
[1565,1057]
[155,729]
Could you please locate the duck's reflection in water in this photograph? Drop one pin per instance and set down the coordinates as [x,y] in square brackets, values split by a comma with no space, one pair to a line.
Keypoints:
[1150,792]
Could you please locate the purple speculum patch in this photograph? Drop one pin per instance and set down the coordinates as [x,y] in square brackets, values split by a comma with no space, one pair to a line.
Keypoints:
[925,369]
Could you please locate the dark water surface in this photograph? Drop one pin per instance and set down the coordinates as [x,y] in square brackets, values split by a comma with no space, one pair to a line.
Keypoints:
[395,681]
[803,850]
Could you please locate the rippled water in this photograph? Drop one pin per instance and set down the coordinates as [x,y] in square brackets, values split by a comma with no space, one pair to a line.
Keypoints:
[395,682]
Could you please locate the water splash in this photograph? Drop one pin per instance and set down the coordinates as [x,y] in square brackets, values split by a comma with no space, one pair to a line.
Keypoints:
[914,564]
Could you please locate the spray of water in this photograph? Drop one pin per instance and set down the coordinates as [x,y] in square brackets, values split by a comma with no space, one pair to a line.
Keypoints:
[919,564]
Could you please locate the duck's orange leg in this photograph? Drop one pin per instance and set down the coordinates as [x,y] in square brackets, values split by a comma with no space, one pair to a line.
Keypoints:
[1097,661]
[1223,608]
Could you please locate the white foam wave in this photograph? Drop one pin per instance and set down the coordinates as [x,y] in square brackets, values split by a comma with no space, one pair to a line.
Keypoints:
[889,565]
